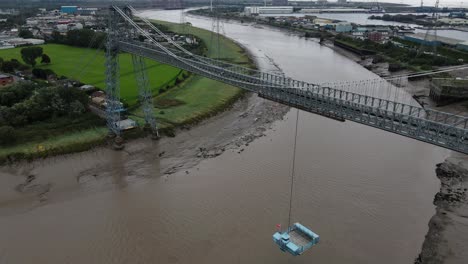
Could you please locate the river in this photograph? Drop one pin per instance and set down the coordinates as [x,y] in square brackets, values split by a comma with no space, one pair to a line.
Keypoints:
[363,19]
[368,193]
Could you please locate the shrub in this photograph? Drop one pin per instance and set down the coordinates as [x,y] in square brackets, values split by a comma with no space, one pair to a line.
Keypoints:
[7,135]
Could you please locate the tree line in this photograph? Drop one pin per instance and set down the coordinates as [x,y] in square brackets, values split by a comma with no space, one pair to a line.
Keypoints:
[24,103]
[86,38]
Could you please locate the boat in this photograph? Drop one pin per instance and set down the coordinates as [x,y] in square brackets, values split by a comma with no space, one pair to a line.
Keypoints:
[296,240]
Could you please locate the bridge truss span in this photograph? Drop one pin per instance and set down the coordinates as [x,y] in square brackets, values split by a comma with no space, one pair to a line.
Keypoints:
[434,127]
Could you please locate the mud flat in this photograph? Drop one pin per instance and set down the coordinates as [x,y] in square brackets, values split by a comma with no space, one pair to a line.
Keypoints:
[448,229]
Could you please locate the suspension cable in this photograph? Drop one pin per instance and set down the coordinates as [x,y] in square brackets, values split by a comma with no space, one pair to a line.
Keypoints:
[293,170]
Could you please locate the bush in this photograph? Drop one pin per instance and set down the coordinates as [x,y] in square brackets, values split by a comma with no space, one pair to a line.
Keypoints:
[7,135]
[393,67]
[42,73]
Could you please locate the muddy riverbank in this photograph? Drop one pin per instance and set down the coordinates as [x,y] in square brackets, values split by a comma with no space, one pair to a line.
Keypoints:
[445,241]
[245,121]
[448,229]
[164,201]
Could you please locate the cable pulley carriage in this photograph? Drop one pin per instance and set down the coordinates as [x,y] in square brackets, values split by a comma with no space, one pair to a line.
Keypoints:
[297,238]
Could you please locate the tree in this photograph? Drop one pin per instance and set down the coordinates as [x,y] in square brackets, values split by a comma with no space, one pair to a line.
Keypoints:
[24,33]
[8,66]
[42,73]
[45,59]
[56,37]
[30,54]
[7,135]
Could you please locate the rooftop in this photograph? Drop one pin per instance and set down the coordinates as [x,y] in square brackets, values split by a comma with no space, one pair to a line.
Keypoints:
[445,40]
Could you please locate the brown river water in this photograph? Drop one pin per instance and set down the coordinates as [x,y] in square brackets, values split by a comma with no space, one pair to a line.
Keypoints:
[368,193]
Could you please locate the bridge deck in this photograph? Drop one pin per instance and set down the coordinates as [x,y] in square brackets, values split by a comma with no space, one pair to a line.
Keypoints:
[434,127]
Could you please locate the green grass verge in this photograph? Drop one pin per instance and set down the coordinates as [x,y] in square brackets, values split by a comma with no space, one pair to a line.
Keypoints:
[229,50]
[87,65]
[199,97]
[67,143]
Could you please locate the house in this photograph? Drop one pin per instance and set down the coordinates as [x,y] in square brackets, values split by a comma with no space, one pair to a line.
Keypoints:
[98,101]
[86,87]
[98,94]
[6,80]
[375,36]
[360,32]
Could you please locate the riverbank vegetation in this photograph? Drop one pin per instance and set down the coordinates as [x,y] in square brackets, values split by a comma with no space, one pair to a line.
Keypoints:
[180,99]
[403,54]
[32,112]
[234,14]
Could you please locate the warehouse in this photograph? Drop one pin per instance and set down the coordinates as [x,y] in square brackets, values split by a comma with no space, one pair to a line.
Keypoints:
[432,40]
[257,10]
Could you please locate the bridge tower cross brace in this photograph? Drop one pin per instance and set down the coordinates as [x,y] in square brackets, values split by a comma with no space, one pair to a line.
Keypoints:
[146,96]
[118,29]
[113,106]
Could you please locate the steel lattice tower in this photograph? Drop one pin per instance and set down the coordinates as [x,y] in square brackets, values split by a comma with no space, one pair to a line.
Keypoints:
[217,29]
[119,30]
[146,96]
[113,107]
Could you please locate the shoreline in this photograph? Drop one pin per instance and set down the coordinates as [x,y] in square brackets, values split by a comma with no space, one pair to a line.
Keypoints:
[448,228]
[442,241]
[74,142]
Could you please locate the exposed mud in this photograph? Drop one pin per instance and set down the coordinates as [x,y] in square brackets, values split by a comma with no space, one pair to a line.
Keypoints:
[448,229]
[231,130]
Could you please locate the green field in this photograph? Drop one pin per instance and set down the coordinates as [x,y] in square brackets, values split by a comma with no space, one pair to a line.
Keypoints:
[229,50]
[198,97]
[87,65]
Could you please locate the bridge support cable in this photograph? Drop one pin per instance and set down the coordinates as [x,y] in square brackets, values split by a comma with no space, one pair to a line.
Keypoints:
[114,106]
[293,169]
[145,94]
[185,53]
[405,119]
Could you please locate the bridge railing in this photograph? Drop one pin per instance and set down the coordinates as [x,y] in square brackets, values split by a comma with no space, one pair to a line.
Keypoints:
[428,125]
[254,83]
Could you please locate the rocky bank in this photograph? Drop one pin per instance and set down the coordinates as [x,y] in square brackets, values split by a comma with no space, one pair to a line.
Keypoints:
[448,229]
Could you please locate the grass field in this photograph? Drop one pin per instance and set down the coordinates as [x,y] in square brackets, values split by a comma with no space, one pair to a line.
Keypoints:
[229,50]
[87,65]
[199,97]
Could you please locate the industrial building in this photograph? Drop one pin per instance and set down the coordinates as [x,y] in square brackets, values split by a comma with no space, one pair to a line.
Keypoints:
[343,27]
[333,10]
[279,2]
[463,46]
[432,40]
[259,10]
[69,9]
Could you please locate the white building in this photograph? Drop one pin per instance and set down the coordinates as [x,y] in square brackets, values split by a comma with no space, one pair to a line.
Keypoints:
[73,26]
[259,10]
[21,41]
